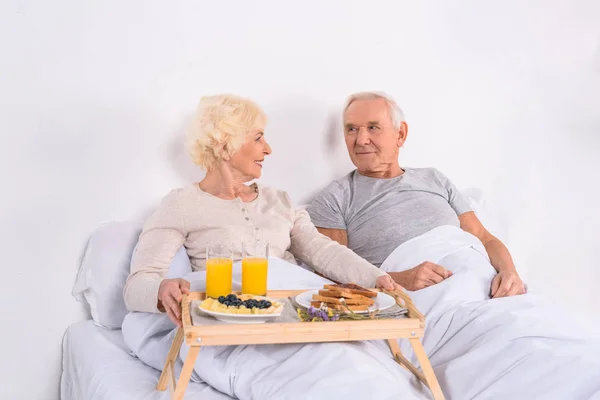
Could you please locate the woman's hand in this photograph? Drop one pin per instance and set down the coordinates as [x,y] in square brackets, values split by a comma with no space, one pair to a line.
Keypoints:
[170,293]
[386,282]
[507,283]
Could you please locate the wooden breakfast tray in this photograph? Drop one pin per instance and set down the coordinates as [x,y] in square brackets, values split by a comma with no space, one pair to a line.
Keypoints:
[410,327]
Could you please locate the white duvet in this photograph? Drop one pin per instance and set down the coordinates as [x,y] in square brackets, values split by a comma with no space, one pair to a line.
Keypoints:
[480,348]
[521,347]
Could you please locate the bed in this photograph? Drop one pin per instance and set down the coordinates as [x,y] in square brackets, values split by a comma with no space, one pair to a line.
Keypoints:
[519,348]
[97,365]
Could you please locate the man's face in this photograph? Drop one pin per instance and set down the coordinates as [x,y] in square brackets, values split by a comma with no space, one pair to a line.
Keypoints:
[373,143]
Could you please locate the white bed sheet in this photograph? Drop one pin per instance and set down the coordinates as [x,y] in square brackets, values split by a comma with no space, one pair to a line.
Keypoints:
[97,366]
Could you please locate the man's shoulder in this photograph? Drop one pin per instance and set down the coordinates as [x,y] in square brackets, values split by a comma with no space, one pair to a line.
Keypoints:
[423,171]
[340,186]
[328,207]
[428,175]
[334,195]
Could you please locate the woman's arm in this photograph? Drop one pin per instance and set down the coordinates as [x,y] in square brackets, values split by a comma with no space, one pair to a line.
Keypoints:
[328,257]
[161,238]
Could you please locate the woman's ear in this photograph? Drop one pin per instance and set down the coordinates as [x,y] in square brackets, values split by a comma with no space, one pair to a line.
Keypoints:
[225,153]
[402,133]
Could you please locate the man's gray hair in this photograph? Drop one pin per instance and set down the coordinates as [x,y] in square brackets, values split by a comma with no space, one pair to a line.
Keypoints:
[395,111]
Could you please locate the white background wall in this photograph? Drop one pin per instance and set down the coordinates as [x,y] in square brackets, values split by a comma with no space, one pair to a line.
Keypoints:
[94,97]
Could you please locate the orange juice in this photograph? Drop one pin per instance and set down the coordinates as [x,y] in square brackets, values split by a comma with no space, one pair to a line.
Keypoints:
[254,276]
[218,277]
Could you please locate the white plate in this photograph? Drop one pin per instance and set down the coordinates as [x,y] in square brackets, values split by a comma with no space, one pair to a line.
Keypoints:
[382,301]
[241,318]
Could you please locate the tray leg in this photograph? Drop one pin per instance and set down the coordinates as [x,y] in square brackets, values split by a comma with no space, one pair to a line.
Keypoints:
[403,361]
[186,373]
[432,381]
[168,371]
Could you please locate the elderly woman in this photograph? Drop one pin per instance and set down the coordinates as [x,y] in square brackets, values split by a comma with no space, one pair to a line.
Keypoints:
[227,139]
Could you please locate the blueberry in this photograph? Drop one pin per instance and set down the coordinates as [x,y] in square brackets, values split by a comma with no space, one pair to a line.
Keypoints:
[268,304]
[221,299]
[231,297]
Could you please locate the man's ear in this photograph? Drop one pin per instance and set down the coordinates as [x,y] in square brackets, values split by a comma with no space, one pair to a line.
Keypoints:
[402,133]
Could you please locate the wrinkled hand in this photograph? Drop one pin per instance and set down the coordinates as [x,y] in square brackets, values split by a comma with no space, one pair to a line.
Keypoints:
[423,275]
[386,282]
[170,293]
[507,284]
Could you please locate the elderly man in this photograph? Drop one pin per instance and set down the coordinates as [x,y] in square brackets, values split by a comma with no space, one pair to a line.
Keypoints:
[381,205]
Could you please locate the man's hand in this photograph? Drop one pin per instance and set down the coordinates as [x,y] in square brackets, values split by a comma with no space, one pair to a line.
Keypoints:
[170,293]
[386,282]
[423,275]
[507,283]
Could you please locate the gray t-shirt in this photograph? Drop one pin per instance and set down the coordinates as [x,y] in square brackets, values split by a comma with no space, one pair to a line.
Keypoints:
[381,214]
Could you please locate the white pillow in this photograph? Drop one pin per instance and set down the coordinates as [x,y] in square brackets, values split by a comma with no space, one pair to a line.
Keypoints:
[105,267]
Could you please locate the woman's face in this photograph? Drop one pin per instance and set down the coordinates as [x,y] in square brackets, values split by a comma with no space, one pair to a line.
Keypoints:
[248,159]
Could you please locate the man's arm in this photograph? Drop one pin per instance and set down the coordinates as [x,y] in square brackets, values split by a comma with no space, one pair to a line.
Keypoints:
[499,255]
[507,282]
[339,235]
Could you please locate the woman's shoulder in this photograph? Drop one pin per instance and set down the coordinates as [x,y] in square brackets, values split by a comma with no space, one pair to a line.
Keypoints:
[274,195]
[179,192]
[180,196]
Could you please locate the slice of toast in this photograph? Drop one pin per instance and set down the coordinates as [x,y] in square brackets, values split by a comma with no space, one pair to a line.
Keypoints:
[353,288]
[334,300]
[347,294]
[339,307]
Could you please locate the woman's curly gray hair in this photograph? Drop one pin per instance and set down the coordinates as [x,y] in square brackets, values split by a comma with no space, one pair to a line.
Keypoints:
[220,127]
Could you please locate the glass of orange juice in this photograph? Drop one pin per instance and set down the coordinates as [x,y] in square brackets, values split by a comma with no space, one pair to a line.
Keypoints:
[219,263]
[255,265]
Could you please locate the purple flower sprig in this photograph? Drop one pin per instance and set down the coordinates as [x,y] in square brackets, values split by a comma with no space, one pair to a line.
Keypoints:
[313,314]
[323,313]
